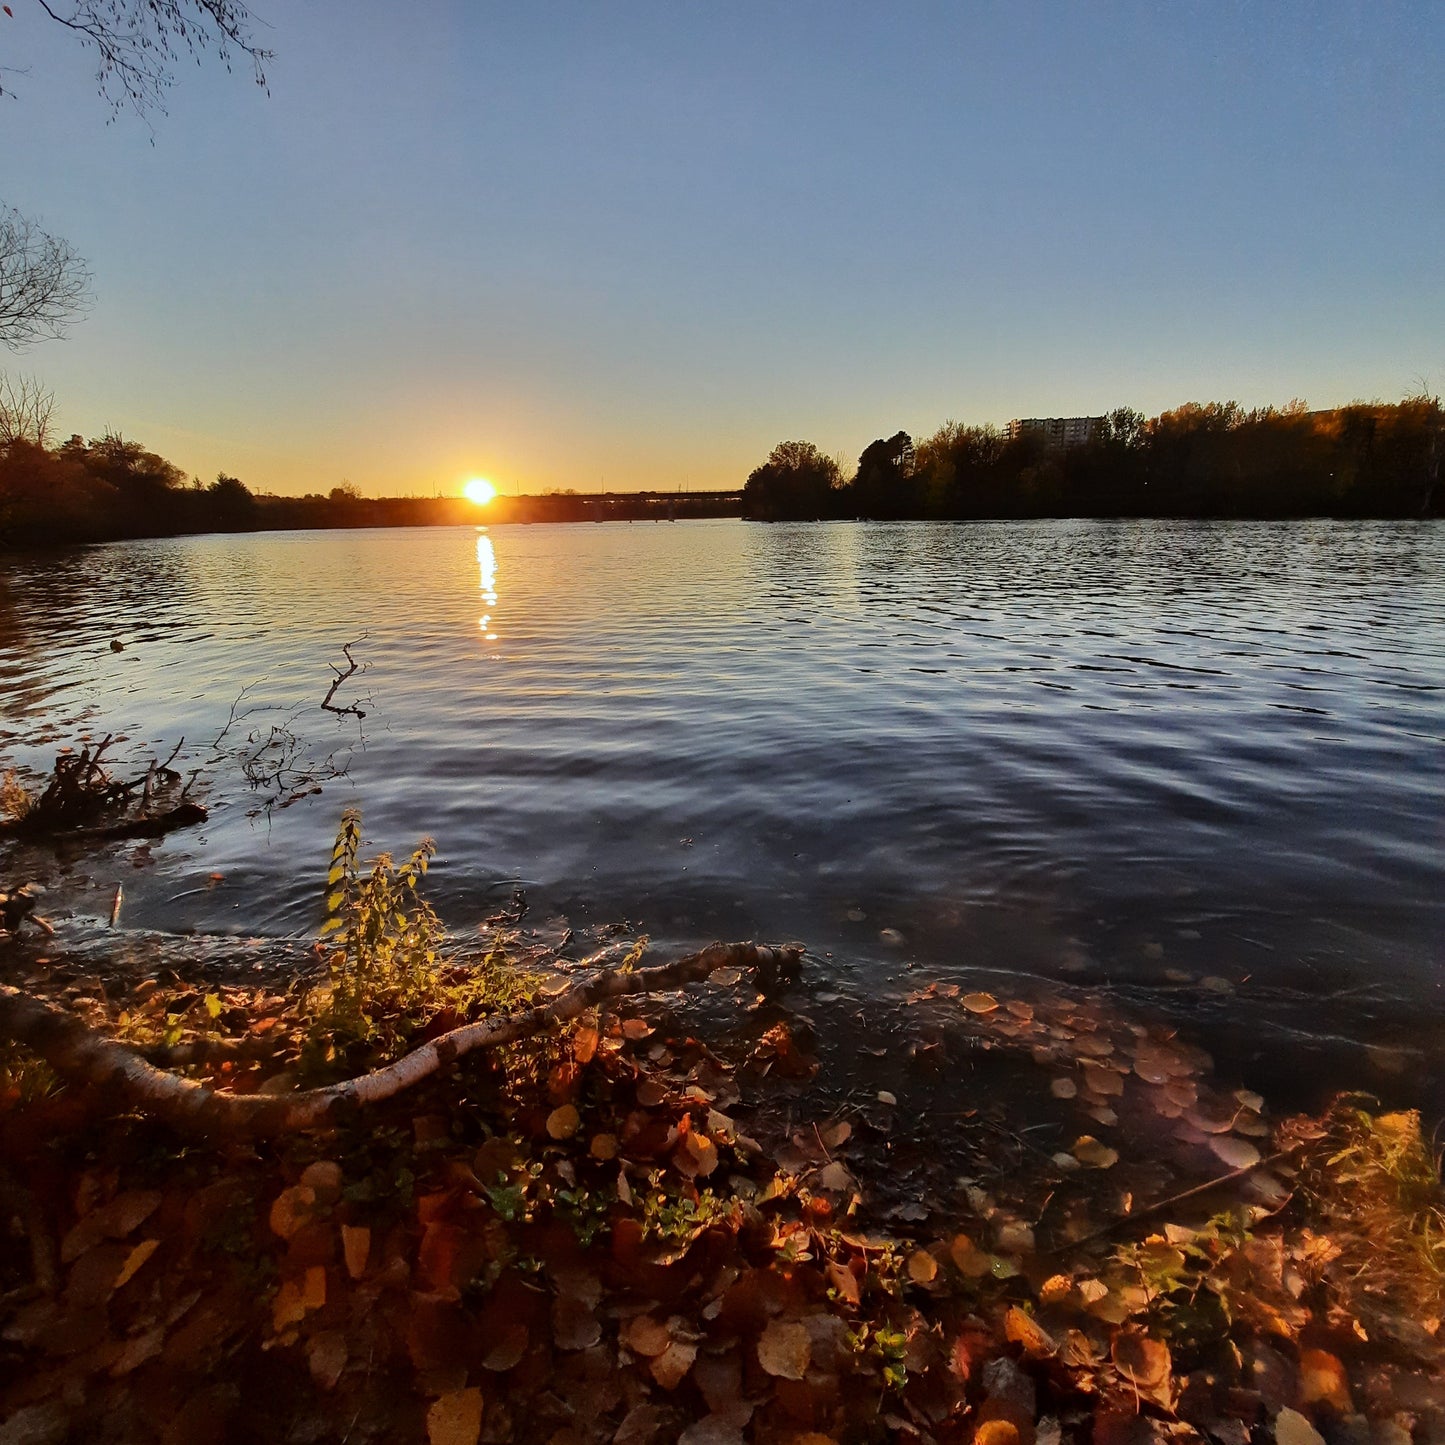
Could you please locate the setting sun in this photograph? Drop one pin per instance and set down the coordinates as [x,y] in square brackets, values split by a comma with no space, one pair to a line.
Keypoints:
[479,490]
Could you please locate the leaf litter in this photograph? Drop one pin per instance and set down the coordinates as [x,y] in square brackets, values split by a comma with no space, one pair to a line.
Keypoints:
[622,1234]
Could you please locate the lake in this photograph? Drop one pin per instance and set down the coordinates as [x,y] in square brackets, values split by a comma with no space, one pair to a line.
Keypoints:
[1133,755]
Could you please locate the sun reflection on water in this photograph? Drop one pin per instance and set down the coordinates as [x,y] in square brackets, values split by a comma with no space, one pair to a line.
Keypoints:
[487,566]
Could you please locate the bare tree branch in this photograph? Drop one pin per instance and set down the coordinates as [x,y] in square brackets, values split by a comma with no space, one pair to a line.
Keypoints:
[43,281]
[138,41]
[26,408]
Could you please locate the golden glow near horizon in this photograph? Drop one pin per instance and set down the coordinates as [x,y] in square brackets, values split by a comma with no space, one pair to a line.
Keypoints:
[479,490]
[487,566]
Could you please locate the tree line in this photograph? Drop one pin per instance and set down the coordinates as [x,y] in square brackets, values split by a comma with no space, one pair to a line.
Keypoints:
[1367,459]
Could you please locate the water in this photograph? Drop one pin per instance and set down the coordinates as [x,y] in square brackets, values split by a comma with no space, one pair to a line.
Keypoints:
[1132,754]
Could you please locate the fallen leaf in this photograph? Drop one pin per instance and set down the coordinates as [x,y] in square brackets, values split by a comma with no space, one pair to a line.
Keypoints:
[922,1267]
[455,1418]
[836,1135]
[636,1029]
[508,1351]
[603,1146]
[670,1368]
[355,1248]
[979,1003]
[1063,1089]
[134,1260]
[884,1097]
[1322,1379]
[647,1335]
[835,1178]
[1237,1153]
[1291,1428]
[563,1122]
[326,1354]
[584,1044]
[574,1324]
[996,1432]
[785,1350]
[1022,1329]
[291,1209]
[1088,1150]
[1143,1362]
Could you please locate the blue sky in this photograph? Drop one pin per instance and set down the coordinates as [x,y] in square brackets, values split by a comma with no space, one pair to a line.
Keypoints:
[564,245]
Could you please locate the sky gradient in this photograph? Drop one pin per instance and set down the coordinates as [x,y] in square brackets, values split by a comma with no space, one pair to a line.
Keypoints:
[635,246]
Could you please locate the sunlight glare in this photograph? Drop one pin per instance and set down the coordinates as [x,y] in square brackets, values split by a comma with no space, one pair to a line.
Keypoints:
[479,490]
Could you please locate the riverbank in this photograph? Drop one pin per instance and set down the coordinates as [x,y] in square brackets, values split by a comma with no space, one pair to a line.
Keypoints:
[625,1231]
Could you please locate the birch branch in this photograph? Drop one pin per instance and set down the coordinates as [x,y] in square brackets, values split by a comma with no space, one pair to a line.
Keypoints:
[80,1055]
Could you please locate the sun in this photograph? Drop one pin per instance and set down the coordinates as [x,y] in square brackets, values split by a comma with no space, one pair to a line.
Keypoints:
[479,490]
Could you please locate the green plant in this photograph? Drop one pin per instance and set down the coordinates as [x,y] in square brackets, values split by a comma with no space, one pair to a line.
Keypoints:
[385,938]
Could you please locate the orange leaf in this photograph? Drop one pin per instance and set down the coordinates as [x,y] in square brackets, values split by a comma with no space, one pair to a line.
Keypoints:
[455,1419]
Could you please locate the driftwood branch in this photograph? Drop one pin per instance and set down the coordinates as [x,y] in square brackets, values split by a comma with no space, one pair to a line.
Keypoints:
[79,1054]
[352,667]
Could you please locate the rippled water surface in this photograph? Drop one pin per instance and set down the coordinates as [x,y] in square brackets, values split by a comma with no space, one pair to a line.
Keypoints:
[1124,752]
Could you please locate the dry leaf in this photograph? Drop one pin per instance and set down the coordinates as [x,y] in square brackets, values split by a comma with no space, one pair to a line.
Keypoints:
[785,1350]
[636,1029]
[574,1325]
[603,1146]
[922,1267]
[1291,1428]
[970,1260]
[563,1123]
[292,1209]
[508,1350]
[650,1094]
[1143,1362]
[996,1432]
[670,1368]
[648,1336]
[979,1003]
[326,1355]
[1063,1089]
[134,1260]
[1014,1237]
[1237,1153]
[836,1135]
[584,1044]
[455,1419]
[1088,1150]
[1322,1379]
[884,1097]
[835,1178]
[355,1248]
[1022,1329]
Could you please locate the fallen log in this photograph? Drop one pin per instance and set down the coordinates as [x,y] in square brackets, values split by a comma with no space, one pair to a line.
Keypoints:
[184,815]
[80,1055]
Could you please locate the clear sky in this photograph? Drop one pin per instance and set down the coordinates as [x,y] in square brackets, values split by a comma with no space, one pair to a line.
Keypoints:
[572,245]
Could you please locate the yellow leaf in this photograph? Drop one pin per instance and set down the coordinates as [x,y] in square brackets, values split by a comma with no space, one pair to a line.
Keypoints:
[455,1418]
[1023,1329]
[292,1209]
[979,1003]
[134,1260]
[1088,1150]
[1143,1362]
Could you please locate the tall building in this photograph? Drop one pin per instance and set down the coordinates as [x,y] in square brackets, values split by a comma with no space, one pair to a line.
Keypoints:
[1059,433]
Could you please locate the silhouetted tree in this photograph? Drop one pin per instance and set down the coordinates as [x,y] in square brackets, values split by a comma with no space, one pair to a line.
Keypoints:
[26,406]
[884,484]
[796,482]
[43,281]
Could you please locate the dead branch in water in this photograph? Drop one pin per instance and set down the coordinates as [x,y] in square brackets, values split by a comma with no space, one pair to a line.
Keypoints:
[352,667]
[78,1054]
